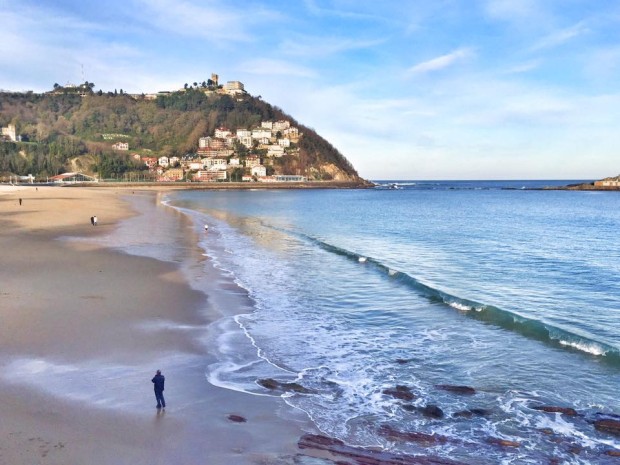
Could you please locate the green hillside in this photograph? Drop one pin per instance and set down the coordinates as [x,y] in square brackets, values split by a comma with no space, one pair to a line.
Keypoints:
[73,129]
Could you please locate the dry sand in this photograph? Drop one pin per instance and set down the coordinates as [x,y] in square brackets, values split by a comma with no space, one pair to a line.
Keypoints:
[77,352]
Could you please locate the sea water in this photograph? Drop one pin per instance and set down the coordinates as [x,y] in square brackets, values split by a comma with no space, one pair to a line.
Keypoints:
[509,290]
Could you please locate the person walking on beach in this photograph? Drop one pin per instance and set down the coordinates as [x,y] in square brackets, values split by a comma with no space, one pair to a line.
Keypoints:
[158,385]
[20,201]
[95,220]
[92,220]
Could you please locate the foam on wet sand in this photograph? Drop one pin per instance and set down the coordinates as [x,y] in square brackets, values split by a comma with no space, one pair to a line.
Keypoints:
[83,329]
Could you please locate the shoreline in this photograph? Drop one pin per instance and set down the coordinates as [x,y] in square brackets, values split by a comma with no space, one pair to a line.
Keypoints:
[84,328]
[171,186]
[311,185]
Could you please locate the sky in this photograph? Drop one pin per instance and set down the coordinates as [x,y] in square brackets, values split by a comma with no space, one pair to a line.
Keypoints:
[404,89]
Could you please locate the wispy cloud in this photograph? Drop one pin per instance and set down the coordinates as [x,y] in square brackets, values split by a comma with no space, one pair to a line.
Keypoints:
[277,67]
[562,36]
[313,7]
[441,62]
[43,44]
[523,67]
[216,21]
[516,11]
[603,64]
[312,46]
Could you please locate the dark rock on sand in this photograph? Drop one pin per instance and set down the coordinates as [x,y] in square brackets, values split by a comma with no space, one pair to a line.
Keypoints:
[366,456]
[274,385]
[571,412]
[237,418]
[400,392]
[431,411]
[412,436]
[457,389]
[608,425]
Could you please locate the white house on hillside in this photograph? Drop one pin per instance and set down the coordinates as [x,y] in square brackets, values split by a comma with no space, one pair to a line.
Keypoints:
[275,151]
[222,133]
[259,171]
[281,125]
[252,161]
[215,163]
[261,133]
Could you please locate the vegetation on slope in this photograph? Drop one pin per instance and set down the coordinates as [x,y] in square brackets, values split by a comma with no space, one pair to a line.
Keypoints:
[61,129]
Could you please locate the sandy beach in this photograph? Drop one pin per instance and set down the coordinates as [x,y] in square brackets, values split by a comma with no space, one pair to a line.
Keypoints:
[83,327]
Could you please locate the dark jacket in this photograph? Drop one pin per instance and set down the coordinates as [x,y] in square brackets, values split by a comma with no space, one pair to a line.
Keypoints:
[158,381]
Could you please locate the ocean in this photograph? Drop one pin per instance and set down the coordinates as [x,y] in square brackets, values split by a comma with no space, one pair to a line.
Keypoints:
[414,287]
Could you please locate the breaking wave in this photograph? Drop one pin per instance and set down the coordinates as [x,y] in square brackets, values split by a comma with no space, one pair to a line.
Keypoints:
[526,326]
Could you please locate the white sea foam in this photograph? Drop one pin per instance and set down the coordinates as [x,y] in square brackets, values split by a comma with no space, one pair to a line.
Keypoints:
[434,335]
[162,325]
[92,382]
[459,306]
[353,325]
[588,347]
[96,383]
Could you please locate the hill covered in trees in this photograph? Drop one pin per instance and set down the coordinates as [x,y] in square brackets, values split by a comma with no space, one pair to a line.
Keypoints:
[74,130]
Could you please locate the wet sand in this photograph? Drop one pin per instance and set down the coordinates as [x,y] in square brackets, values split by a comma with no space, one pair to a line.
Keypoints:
[83,327]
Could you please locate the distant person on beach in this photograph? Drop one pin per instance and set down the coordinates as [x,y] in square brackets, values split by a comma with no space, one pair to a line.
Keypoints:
[92,220]
[20,201]
[95,220]
[158,385]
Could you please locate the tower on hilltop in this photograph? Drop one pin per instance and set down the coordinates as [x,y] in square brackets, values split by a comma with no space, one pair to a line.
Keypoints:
[214,78]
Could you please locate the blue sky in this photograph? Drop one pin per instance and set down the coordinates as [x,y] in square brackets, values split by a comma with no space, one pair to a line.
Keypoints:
[405,89]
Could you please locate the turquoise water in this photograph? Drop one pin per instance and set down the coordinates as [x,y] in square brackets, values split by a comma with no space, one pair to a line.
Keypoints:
[511,291]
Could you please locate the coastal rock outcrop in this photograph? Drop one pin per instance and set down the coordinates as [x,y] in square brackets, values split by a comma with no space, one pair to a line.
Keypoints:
[412,436]
[366,456]
[400,392]
[274,385]
[469,413]
[503,442]
[571,412]
[608,425]
[457,389]
[431,411]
